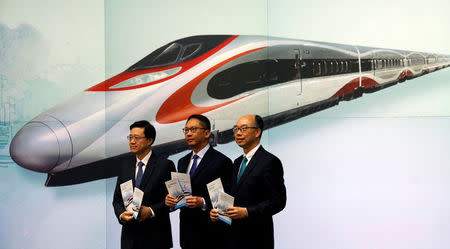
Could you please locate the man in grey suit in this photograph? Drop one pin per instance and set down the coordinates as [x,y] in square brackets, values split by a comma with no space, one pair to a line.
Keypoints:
[257,186]
[148,172]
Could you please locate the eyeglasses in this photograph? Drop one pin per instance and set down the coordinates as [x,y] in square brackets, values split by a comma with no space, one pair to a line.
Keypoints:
[242,128]
[192,129]
[135,138]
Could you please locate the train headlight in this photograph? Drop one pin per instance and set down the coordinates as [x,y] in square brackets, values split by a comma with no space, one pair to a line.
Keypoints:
[148,78]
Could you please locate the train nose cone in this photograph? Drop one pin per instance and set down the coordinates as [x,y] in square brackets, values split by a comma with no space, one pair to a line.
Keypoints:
[35,147]
[42,145]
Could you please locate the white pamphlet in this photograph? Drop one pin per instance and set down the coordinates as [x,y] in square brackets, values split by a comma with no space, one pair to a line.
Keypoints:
[185,182]
[126,189]
[137,201]
[223,203]
[174,189]
[132,200]
[214,188]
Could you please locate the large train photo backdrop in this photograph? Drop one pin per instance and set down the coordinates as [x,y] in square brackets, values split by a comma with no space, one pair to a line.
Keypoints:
[354,95]
[214,75]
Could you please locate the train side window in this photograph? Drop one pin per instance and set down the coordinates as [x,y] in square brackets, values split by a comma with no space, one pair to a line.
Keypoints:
[332,68]
[337,70]
[317,68]
[307,68]
[324,68]
[249,76]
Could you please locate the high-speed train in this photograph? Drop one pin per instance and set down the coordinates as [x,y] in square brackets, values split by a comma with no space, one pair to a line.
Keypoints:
[220,76]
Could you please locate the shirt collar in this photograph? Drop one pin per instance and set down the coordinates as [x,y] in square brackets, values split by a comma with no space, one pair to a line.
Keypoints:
[145,159]
[202,152]
[252,152]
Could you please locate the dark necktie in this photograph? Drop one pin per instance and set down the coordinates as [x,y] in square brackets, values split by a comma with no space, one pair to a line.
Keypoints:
[194,165]
[139,174]
[241,170]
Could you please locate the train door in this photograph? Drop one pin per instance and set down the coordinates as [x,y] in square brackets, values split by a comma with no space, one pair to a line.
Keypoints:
[297,67]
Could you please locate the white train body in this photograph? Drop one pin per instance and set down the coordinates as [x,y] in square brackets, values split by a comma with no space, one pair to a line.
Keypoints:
[222,77]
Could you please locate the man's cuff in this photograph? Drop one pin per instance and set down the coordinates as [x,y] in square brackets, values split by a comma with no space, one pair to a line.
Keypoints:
[153,213]
[204,208]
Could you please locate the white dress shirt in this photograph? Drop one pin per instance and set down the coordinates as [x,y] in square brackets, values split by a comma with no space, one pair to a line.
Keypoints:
[145,161]
[200,155]
[249,155]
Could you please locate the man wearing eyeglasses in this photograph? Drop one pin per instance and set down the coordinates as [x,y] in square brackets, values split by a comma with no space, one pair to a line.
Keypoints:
[148,172]
[204,164]
[257,186]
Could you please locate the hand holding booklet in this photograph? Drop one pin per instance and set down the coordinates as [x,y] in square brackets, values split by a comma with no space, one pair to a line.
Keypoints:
[223,203]
[179,187]
[220,200]
[132,199]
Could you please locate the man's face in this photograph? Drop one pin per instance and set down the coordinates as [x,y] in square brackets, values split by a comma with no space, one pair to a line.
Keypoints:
[197,138]
[139,144]
[246,135]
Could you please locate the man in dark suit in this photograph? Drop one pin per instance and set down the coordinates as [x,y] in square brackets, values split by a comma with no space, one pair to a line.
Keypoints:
[148,172]
[204,164]
[257,186]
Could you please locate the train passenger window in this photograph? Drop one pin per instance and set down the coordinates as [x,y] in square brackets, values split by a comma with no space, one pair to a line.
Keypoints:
[324,67]
[336,70]
[249,76]
[317,68]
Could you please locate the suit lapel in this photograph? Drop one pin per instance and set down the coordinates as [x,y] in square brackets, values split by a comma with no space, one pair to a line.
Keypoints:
[234,182]
[149,168]
[130,166]
[201,166]
[184,163]
[250,166]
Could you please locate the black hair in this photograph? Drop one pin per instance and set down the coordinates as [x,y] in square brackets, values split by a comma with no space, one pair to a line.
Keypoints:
[149,130]
[203,120]
[259,123]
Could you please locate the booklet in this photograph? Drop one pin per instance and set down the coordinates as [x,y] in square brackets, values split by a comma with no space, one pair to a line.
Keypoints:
[224,201]
[126,189]
[214,188]
[132,199]
[185,182]
[137,201]
[174,189]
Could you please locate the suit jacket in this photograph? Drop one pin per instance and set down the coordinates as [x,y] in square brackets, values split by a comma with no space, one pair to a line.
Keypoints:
[262,191]
[154,232]
[196,229]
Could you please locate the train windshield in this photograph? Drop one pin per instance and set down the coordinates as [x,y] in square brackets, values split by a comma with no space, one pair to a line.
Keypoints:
[179,51]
